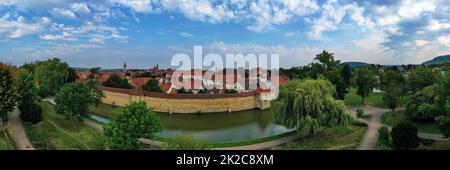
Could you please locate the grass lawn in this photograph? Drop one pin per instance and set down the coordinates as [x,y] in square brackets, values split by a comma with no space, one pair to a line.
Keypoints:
[374,99]
[438,145]
[103,110]
[390,120]
[336,138]
[55,132]
[6,142]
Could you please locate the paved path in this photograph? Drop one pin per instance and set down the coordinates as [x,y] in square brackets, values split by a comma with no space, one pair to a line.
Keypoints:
[18,131]
[264,145]
[370,139]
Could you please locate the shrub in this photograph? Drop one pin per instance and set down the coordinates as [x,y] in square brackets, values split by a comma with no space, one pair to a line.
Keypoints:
[182,142]
[73,101]
[404,136]
[359,113]
[39,139]
[152,86]
[31,113]
[384,140]
[444,125]
[117,82]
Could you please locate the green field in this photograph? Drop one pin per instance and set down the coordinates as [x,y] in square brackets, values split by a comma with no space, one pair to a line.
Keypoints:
[400,116]
[336,138]
[55,132]
[6,142]
[374,99]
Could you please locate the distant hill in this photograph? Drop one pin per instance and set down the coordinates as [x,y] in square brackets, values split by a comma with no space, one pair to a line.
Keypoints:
[438,60]
[356,64]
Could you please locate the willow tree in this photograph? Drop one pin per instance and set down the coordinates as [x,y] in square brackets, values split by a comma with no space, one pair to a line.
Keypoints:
[308,106]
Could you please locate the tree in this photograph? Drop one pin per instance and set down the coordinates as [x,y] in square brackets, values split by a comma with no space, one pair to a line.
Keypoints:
[27,97]
[94,86]
[366,82]
[133,122]
[51,75]
[420,78]
[72,75]
[444,124]
[73,101]
[152,86]
[8,96]
[308,106]
[359,113]
[426,104]
[404,136]
[346,74]
[393,85]
[117,82]
[183,142]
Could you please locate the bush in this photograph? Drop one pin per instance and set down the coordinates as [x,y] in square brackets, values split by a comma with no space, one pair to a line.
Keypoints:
[405,136]
[152,86]
[362,124]
[384,140]
[117,82]
[39,139]
[359,113]
[181,142]
[31,113]
[444,125]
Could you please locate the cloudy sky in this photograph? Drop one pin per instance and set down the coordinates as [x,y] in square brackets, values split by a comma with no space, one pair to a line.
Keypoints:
[148,32]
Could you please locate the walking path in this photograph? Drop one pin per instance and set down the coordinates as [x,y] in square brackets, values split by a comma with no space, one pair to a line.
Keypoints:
[18,131]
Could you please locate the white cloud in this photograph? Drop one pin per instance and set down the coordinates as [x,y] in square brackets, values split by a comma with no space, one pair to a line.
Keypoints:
[137,5]
[80,8]
[64,36]
[187,35]
[64,13]
[16,27]
[436,25]
[444,40]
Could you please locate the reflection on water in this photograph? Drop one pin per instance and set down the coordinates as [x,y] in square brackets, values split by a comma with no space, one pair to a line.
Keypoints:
[219,127]
[222,127]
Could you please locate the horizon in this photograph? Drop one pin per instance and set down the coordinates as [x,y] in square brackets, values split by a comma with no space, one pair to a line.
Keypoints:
[107,33]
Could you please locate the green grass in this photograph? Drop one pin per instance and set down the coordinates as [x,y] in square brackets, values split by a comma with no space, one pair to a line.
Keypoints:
[103,110]
[55,132]
[438,145]
[335,138]
[400,116]
[374,99]
[6,142]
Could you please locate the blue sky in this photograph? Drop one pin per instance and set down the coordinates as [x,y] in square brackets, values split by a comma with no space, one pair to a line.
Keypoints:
[144,33]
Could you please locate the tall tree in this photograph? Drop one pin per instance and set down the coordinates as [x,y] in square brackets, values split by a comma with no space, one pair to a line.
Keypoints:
[134,121]
[393,85]
[8,96]
[366,82]
[73,101]
[308,106]
[51,75]
[72,75]
[420,78]
[27,97]
[94,85]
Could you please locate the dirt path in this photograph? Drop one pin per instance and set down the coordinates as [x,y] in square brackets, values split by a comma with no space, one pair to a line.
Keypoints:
[18,131]
[370,139]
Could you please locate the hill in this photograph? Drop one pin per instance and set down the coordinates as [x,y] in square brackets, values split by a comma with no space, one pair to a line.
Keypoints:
[356,64]
[438,60]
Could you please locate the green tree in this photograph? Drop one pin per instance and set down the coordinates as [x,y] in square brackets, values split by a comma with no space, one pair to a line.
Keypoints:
[346,74]
[73,101]
[117,82]
[133,122]
[72,75]
[94,86]
[183,142]
[393,85]
[420,78]
[8,96]
[152,86]
[51,75]
[424,105]
[308,106]
[405,136]
[366,82]
[27,97]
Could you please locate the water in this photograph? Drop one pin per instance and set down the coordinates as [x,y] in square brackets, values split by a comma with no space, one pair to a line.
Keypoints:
[219,127]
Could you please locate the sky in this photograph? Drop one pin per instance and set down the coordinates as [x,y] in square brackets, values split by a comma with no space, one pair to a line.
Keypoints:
[143,33]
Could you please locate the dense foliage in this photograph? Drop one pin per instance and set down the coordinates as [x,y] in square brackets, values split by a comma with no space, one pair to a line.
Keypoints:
[134,121]
[384,139]
[27,97]
[152,86]
[420,78]
[117,82]
[8,96]
[404,136]
[393,84]
[308,106]
[50,75]
[365,81]
[73,101]
[94,86]
[182,142]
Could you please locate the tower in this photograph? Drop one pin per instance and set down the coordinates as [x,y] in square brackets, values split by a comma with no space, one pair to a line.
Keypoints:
[124,67]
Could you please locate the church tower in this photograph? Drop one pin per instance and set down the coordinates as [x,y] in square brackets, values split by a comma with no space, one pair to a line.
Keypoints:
[124,67]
